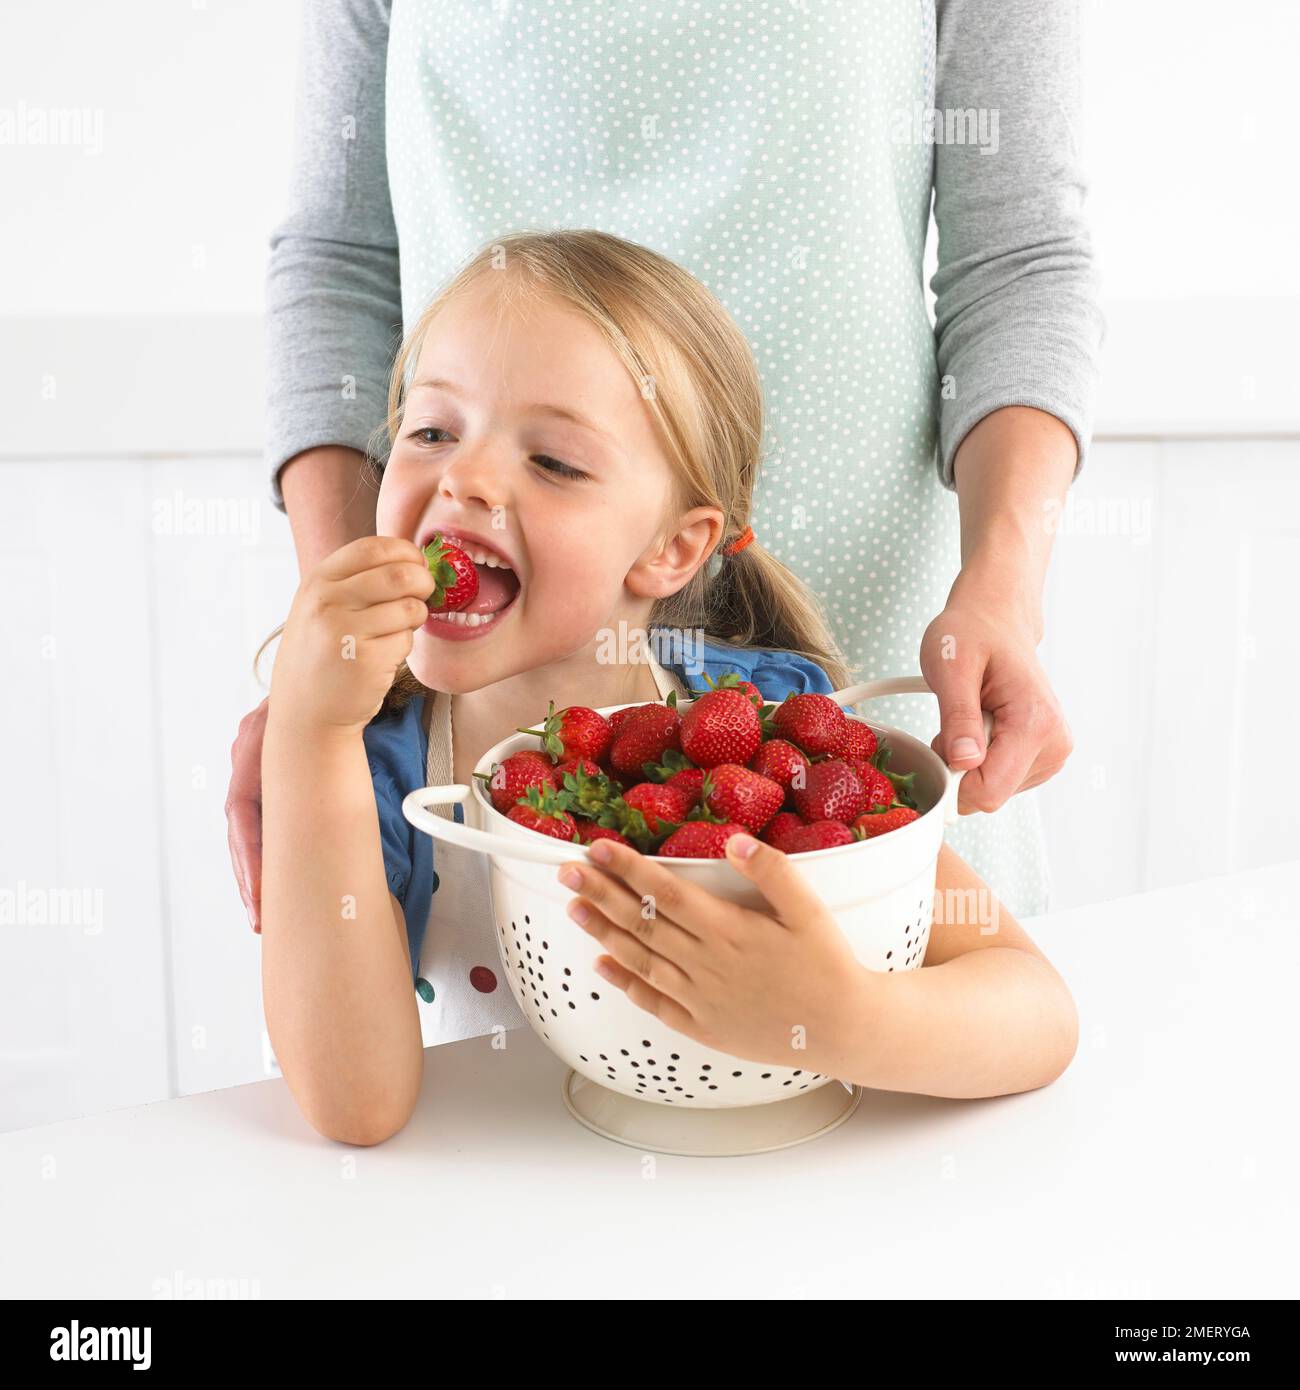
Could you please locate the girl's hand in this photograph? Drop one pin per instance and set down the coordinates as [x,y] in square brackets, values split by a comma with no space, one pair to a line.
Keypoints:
[779,988]
[351,626]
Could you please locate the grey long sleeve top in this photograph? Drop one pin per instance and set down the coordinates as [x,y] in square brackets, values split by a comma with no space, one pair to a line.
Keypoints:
[1017,318]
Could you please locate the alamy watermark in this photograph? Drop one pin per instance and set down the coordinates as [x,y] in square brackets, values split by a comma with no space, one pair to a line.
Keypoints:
[78,127]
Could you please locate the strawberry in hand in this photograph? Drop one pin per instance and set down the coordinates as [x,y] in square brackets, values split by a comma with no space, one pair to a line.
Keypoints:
[455,580]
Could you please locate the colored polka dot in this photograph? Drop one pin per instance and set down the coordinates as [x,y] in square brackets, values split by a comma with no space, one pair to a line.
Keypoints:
[424,989]
[483,979]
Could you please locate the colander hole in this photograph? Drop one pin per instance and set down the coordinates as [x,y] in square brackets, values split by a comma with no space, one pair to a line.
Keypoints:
[889,955]
[528,919]
[594,995]
[766,1076]
[572,1005]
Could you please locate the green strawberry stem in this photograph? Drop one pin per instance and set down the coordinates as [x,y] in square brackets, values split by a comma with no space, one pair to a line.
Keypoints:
[444,575]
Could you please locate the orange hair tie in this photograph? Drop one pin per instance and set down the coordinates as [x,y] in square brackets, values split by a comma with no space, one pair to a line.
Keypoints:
[740,542]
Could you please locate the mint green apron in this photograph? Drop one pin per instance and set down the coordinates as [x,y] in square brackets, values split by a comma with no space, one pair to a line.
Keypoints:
[754,144]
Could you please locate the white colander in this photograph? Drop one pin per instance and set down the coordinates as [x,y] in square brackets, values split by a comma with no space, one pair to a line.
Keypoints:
[635,1080]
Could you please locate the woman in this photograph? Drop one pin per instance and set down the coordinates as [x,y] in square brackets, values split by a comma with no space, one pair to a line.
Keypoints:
[785,151]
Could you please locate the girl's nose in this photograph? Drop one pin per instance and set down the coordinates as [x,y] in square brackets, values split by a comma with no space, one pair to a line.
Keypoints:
[473,474]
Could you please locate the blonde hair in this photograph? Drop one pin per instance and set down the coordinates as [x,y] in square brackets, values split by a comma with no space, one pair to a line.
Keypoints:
[697,375]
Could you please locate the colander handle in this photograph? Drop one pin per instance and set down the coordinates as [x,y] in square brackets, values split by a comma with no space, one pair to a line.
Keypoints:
[910,685]
[415,807]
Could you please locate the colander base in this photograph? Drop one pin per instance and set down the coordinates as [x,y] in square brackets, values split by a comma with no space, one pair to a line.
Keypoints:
[715,1133]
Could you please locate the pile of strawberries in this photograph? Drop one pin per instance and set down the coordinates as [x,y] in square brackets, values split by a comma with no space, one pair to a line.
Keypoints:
[800,775]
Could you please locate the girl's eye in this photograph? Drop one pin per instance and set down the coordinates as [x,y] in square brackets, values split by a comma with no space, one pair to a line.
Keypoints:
[421,434]
[548,465]
[556,468]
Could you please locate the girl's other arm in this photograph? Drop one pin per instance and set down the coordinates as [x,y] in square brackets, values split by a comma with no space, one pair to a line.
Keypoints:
[986,1015]
[336,973]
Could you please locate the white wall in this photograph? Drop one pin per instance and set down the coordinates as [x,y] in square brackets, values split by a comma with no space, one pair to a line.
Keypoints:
[130,383]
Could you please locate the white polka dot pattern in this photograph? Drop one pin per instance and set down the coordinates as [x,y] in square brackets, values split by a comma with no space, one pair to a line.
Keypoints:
[752,142]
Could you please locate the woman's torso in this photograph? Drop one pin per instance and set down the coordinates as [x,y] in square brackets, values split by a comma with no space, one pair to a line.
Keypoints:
[769,147]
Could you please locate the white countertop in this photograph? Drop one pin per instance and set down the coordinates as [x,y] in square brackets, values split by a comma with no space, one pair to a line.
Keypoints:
[1162,1164]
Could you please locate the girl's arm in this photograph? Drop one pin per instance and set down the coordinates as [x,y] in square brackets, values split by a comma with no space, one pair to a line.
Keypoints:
[986,1015]
[336,973]
[336,976]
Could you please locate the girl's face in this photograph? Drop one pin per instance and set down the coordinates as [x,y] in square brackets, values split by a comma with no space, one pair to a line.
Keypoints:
[525,439]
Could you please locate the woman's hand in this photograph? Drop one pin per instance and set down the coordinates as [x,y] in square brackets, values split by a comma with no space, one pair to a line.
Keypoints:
[979,655]
[351,626]
[776,988]
[244,811]
[1012,473]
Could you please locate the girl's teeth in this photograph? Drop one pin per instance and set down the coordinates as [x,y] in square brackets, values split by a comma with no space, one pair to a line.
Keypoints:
[464,619]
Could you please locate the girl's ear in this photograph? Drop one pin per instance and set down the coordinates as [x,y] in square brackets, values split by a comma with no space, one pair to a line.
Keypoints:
[669,565]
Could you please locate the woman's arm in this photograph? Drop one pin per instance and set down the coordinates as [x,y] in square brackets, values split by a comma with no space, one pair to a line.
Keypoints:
[333,301]
[1018,327]
[986,1015]
[1013,471]
[330,497]
[336,976]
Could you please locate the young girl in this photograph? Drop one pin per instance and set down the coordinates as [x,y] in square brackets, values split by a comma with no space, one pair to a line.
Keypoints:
[583,416]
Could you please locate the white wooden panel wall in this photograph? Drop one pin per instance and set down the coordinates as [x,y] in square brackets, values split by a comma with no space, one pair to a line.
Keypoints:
[135,593]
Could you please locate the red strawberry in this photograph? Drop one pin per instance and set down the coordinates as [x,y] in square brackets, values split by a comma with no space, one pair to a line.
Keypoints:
[780,828]
[876,786]
[741,795]
[543,810]
[572,765]
[689,780]
[645,739]
[699,839]
[721,727]
[455,580]
[820,834]
[731,681]
[588,830]
[512,777]
[856,741]
[833,792]
[658,803]
[575,732]
[882,822]
[590,794]
[812,721]
[621,716]
[779,759]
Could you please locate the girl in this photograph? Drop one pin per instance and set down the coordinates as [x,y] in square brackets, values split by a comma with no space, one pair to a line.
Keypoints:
[585,418]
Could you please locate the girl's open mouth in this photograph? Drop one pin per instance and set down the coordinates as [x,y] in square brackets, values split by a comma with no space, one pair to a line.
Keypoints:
[498,588]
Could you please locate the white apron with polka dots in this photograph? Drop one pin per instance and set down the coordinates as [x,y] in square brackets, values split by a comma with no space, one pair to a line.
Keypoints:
[749,141]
